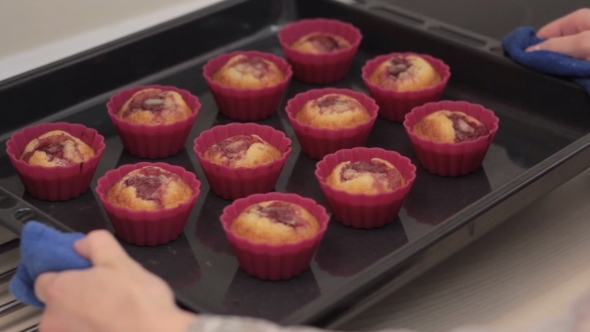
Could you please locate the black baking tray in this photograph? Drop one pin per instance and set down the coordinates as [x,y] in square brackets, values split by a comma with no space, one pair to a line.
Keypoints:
[542,142]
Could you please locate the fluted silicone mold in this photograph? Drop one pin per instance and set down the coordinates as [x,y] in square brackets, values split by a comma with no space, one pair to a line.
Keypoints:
[159,141]
[57,183]
[320,68]
[452,159]
[235,182]
[318,142]
[394,105]
[274,262]
[147,228]
[247,104]
[364,210]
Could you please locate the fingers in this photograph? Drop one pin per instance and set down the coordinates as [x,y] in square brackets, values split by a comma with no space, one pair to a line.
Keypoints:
[570,24]
[43,283]
[577,46]
[101,248]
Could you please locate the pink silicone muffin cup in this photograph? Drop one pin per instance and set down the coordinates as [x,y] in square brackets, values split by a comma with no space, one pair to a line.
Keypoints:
[247,104]
[159,141]
[452,159]
[147,228]
[364,210]
[235,182]
[394,105]
[320,68]
[58,183]
[274,262]
[318,142]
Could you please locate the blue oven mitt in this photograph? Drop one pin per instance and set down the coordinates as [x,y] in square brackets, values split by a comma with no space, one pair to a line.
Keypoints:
[43,249]
[546,62]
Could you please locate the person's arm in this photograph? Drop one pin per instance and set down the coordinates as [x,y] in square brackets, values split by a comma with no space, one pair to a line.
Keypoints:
[568,35]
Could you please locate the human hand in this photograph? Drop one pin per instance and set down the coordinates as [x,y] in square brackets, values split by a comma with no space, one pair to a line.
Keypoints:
[115,294]
[569,35]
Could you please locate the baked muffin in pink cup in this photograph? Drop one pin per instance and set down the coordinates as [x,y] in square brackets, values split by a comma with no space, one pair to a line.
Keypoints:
[247,165]
[459,137]
[320,50]
[153,134]
[257,96]
[295,225]
[372,184]
[401,81]
[316,139]
[148,203]
[65,179]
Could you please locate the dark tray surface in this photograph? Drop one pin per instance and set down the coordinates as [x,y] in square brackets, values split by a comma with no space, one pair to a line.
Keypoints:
[200,265]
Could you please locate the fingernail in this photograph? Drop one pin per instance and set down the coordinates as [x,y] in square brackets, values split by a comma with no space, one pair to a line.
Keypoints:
[533,48]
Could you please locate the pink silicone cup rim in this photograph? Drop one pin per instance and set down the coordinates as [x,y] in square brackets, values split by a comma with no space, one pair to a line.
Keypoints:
[439,65]
[217,62]
[218,133]
[19,140]
[295,104]
[105,182]
[146,133]
[490,120]
[295,30]
[231,211]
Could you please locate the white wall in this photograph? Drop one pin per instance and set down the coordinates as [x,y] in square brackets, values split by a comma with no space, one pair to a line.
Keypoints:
[37,32]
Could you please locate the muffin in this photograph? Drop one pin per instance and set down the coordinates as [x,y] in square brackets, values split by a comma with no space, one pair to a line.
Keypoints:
[320,43]
[405,73]
[275,222]
[240,159]
[274,235]
[366,177]
[148,203]
[248,72]
[333,111]
[327,120]
[247,85]
[153,121]
[365,187]
[451,138]
[149,188]
[243,151]
[320,50]
[401,81]
[56,148]
[55,161]
[154,106]
[449,127]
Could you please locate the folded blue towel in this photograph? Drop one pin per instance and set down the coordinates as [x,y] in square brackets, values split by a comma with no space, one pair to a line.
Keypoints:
[43,249]
[546,62]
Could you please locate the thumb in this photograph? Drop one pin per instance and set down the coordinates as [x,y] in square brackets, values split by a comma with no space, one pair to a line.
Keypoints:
[42,283]
[576,46]
[102,249]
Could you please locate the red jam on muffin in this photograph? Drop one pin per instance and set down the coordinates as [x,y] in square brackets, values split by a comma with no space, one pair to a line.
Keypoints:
[320,43]
[333,111]
[449,127]
[242,151]
[362,177]
[149,188]
[248,72]
[154,107]
[275,222]
[56,148]
[405,73]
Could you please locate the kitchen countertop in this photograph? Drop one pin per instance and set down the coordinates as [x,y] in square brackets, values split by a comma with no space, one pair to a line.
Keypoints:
[527,270]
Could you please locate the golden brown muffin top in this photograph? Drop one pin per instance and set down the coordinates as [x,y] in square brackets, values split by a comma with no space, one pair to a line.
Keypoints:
[320,43]
[154,107]
[56,148]
[366,177]
[446,126]
[242,151]
[333,111]
[248,72]
[275,222]
[405,73]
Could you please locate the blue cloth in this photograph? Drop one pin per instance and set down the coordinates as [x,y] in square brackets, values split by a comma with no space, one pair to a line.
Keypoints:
[43,249]
[546,62]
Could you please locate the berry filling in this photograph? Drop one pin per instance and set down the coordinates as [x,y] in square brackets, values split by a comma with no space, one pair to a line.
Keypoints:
[325,43]
[333,103]
[281,212]
[151,100]
[398,65]
[234,147]
[385,177]
[254,66]
[466,130]
[53,146]
[149,183]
